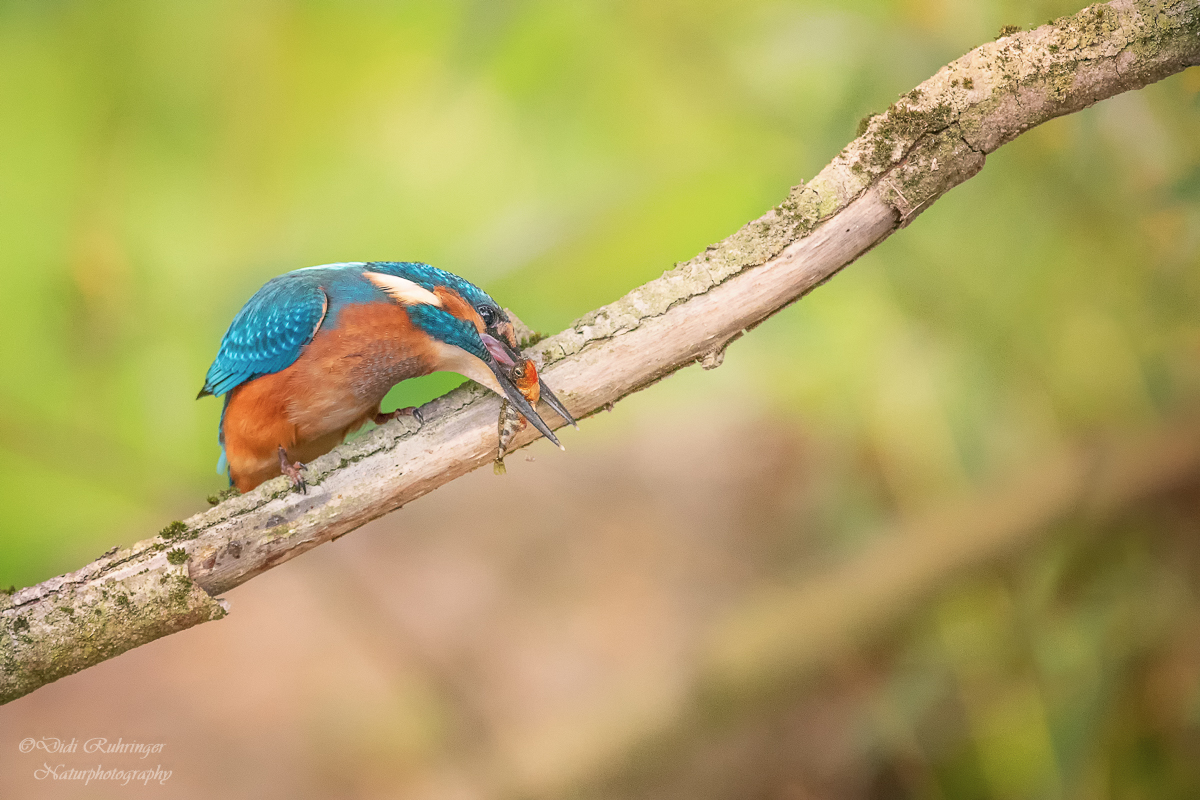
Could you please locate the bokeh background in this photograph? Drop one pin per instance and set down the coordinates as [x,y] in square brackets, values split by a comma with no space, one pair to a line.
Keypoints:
[860,560]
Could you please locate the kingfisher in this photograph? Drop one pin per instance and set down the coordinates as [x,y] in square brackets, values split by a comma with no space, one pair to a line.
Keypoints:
[311,355]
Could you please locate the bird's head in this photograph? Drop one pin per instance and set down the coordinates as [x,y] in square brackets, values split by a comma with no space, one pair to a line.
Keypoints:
[470,331]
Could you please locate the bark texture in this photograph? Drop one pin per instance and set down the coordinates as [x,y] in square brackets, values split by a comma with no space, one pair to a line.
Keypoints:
[932,139]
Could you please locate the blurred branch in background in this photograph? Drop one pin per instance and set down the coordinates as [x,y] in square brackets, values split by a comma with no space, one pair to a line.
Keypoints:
[770,650]
[906,158]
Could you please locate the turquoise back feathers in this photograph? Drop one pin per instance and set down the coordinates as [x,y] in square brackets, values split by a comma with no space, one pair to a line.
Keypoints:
[271,330]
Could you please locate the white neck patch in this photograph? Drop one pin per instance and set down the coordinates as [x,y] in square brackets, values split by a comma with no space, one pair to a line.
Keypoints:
[403,290]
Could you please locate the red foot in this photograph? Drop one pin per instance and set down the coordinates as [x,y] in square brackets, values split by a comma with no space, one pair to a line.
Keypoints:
[411,411]
[292,471]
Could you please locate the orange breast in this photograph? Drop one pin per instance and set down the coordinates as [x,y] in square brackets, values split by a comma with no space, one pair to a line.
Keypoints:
[334,387]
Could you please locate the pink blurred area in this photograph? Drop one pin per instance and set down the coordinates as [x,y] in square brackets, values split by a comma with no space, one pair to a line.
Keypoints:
[492,639]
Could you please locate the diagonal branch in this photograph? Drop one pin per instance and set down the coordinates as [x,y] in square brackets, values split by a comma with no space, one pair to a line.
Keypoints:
[932,139]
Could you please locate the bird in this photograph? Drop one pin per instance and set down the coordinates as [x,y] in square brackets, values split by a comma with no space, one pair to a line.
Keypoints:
[310,356]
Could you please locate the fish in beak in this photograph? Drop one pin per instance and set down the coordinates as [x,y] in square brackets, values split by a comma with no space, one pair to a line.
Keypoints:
[505,342]
[501,363]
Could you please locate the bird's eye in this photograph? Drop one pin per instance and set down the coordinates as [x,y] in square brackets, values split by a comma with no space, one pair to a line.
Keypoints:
[488,315]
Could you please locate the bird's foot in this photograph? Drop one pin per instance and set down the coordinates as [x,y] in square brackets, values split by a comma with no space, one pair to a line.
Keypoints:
[410,411]
[292,470]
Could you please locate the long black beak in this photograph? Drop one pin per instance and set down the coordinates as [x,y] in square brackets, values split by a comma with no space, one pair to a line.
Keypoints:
[556,404]
[547,395]
[501,357]
[518,400]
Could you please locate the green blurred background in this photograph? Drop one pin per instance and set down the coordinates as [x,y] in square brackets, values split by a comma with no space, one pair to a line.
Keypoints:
[160,161]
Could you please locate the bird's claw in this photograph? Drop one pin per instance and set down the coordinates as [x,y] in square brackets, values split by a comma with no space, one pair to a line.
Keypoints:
[410,411]
[292,470]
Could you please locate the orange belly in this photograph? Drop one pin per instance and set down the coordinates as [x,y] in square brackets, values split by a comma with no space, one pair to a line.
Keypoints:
[333,388]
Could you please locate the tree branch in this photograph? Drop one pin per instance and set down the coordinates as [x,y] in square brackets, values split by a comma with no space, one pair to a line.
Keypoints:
[931,140]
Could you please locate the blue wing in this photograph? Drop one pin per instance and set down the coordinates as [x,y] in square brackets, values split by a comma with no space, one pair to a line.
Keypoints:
[269,333]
